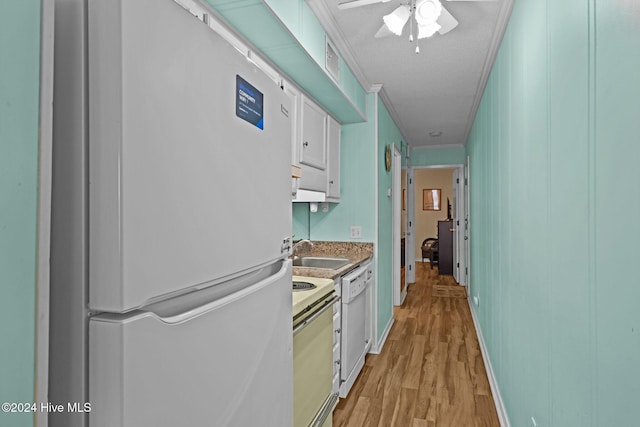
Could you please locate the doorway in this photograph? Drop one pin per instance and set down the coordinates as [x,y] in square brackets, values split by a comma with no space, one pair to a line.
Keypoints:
[399,285]
[430,207]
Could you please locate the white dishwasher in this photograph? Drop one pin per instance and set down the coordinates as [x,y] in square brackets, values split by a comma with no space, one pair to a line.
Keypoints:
[355,325]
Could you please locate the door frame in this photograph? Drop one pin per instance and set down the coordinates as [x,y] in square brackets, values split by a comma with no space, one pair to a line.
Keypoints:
[399,294]
[461,256]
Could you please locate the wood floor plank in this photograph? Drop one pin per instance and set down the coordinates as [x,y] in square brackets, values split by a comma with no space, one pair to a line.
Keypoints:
[430,371]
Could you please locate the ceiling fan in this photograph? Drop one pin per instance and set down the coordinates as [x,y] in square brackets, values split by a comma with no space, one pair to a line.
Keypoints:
[430,17]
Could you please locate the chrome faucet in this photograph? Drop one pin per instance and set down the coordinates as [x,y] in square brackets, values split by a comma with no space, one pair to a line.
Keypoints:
[300,243]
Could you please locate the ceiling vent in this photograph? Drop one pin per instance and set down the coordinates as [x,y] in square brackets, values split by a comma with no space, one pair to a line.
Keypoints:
[332,61]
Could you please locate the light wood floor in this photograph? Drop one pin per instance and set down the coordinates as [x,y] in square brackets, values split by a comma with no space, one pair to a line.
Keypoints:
[430,371]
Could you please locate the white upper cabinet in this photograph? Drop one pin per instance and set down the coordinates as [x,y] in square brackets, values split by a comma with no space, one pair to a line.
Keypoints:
[333,155]
[315,145]
[294,94]
[313,135]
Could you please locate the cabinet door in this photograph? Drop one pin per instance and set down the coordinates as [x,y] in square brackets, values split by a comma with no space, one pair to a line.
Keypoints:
[294,94]
[313,151]
[333,155]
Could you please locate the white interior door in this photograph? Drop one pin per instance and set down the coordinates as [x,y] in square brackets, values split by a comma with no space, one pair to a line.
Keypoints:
[467,227]
[410,242]
[460,222]
[399,292]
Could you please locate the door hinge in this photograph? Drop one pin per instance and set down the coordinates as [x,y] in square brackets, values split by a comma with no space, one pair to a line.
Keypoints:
[457,180]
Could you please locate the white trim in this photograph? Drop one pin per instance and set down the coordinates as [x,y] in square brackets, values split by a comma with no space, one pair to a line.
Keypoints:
[376,349]
[331,27]
[496,41]
[393,113]
[396,213]
[493,383]
[410,229]
[375,88]
[376,251]
[462,258]
[45,161]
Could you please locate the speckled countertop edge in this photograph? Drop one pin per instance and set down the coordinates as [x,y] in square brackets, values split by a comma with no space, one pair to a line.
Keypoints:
[355,252]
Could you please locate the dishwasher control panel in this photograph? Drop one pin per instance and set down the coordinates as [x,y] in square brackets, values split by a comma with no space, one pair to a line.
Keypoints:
[356,282]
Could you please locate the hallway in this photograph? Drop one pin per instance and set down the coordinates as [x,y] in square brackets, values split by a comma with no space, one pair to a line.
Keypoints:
[430,372]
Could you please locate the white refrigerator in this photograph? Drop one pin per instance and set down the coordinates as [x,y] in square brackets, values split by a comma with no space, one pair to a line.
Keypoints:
[171,284]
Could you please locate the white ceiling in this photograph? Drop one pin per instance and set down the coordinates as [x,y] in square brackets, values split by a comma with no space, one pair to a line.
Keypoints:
[437,90]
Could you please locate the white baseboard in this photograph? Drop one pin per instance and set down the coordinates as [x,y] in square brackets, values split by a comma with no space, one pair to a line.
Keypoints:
[376,349]
[495,391]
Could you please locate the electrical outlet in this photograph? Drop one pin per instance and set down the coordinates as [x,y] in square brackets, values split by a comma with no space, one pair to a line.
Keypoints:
[476,301]
[355,232]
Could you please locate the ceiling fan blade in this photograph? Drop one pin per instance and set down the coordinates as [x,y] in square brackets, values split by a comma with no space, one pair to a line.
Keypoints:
[447,22]
[384,31]
[357,3]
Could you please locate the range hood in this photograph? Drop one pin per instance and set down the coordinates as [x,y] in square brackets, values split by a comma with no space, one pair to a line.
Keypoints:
[309,196]
[302,195]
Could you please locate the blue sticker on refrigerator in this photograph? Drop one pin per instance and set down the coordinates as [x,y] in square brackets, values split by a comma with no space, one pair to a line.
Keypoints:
[249,103]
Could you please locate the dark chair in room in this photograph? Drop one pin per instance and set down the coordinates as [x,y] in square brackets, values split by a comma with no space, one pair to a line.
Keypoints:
[430,250]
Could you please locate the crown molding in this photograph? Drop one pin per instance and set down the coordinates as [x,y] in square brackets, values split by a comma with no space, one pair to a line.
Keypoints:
[496,41]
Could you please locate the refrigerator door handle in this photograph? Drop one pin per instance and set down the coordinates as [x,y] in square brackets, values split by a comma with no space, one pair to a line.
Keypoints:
[228,299]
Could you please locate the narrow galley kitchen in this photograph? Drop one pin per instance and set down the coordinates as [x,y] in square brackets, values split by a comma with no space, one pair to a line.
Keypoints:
[430,372]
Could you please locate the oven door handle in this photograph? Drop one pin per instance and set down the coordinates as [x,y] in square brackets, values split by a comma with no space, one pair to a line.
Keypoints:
[321,310]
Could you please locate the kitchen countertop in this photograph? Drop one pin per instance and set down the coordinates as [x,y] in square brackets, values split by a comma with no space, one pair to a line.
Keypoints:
[355,252]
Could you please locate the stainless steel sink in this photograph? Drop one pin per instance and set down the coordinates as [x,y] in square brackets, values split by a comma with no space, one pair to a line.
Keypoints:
[320,262]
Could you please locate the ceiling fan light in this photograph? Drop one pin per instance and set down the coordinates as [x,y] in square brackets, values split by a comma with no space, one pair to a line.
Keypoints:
[395,20]
[427,30]
[428,11]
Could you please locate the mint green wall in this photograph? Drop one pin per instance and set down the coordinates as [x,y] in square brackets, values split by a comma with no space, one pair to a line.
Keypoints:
[359,171]
[301,215]
[438,156]
[19,121]
[357,193]
[388,133]
[553,153]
